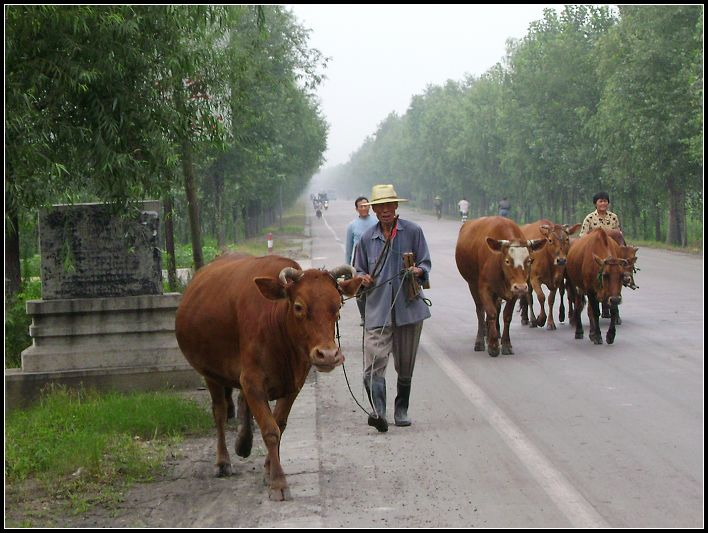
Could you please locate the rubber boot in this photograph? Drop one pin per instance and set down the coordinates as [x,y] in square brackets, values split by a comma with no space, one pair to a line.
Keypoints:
[378,398]
[400,414]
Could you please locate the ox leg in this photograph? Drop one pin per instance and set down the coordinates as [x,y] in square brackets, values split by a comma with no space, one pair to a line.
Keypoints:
[614,315]
[551,325]
[524,304]
[577,315]
[481,327]
[508,314]
[254,389]
[219,408]
[541,320]
[492,311]
[244,439]
[231,409]
[561,308]
[594,316]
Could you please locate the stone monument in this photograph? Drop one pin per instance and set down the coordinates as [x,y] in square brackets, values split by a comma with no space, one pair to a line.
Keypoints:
[103,319]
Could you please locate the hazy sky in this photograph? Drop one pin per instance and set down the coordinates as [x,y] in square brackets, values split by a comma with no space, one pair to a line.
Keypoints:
[382,55]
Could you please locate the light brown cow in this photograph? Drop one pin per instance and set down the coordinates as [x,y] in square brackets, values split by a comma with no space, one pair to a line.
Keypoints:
[548,268]
[593,271]
[494,258]
[259,324]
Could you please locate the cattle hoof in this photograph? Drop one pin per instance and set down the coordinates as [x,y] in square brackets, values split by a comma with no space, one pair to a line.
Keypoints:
[596,339]
[533,324]
[524,321]
[244,445]
[610,338]
[279,495]
[579,335]
[224,470]
[479,346]
[494,351]
[506,350]
[541,322]
[550,326]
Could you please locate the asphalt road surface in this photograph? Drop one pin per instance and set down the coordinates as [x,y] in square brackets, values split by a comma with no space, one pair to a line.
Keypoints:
[562,433]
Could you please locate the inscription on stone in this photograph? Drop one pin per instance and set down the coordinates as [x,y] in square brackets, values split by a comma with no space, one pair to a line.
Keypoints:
[89,251]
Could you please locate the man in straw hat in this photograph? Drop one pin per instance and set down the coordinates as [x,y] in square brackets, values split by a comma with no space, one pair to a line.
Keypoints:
[393,322]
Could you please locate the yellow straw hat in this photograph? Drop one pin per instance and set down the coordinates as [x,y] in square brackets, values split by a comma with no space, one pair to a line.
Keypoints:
[383,194]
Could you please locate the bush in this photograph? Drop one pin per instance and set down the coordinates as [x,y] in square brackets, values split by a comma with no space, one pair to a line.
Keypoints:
[17,323]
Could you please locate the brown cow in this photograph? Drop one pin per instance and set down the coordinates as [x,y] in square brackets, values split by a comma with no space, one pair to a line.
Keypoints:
[259,324]
[494,258]
[548,268]
[594,272]
[623,251]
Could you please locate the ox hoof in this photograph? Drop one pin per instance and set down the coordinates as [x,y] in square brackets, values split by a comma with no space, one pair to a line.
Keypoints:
[524,321]
[610,338]
[596,339]
[243,446]
[550,326]
[533,324]
[494,351]
[479,346]
[279,495]
[223,470]
[578,335]
[506,350]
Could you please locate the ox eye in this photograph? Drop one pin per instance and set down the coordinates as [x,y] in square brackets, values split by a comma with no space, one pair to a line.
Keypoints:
[299,308]
[506,261]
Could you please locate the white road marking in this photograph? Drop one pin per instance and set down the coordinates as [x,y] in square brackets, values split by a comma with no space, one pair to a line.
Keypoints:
[339,241]
[569,501]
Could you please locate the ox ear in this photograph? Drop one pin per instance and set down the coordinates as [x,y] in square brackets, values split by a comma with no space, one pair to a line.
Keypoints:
[572,229]
[496,245]
[537,244]
[350,286]
[270,288]
[545,229]
[599,261]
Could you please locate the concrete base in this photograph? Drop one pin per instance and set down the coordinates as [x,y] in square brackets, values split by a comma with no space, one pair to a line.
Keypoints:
[123,343]
[24,388]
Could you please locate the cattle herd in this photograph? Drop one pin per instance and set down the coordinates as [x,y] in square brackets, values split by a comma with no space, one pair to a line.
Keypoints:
[259,324]
[504,262]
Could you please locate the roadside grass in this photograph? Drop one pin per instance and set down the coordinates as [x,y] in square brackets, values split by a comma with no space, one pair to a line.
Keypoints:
[81,448]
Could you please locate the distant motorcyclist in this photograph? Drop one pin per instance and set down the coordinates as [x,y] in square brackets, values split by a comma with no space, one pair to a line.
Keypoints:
[437,202]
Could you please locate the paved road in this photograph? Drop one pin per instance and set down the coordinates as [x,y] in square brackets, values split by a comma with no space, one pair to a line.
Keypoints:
[561,434]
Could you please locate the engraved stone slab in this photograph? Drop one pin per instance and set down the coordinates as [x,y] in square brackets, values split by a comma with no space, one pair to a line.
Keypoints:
[89,251]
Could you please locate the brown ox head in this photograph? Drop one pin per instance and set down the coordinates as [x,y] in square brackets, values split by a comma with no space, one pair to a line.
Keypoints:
[516,261]
[608,286]
[314,298]
[629,254]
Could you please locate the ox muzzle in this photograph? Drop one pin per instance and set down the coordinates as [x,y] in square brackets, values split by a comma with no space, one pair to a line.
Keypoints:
[326,359]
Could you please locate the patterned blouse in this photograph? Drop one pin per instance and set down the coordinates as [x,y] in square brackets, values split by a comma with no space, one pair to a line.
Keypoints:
[594,220]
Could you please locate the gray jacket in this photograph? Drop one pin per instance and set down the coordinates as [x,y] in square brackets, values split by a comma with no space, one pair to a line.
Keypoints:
[409,238]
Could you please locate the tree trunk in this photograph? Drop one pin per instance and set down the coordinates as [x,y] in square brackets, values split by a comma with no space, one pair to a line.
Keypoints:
[13,273]
[170,244]
[190,188]
[677,217]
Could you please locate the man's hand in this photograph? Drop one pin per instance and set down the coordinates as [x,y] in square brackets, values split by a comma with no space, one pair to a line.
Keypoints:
[368,280]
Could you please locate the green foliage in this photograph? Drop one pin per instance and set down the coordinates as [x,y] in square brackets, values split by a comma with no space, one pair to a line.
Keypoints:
[17,323]
[107,436]
[586,101]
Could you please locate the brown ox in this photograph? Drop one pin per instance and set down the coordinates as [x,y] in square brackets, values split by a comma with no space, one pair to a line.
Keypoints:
[494,258]
[593,271]
[259,324]
[548,268]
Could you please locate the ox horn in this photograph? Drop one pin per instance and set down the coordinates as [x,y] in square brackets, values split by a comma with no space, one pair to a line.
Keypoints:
[289,273]
[347,271]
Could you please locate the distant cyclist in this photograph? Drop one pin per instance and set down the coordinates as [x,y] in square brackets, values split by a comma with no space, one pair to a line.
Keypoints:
[437,202]
[464,206]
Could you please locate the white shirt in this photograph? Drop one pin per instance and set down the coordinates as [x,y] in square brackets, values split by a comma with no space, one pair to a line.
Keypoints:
[464,206]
